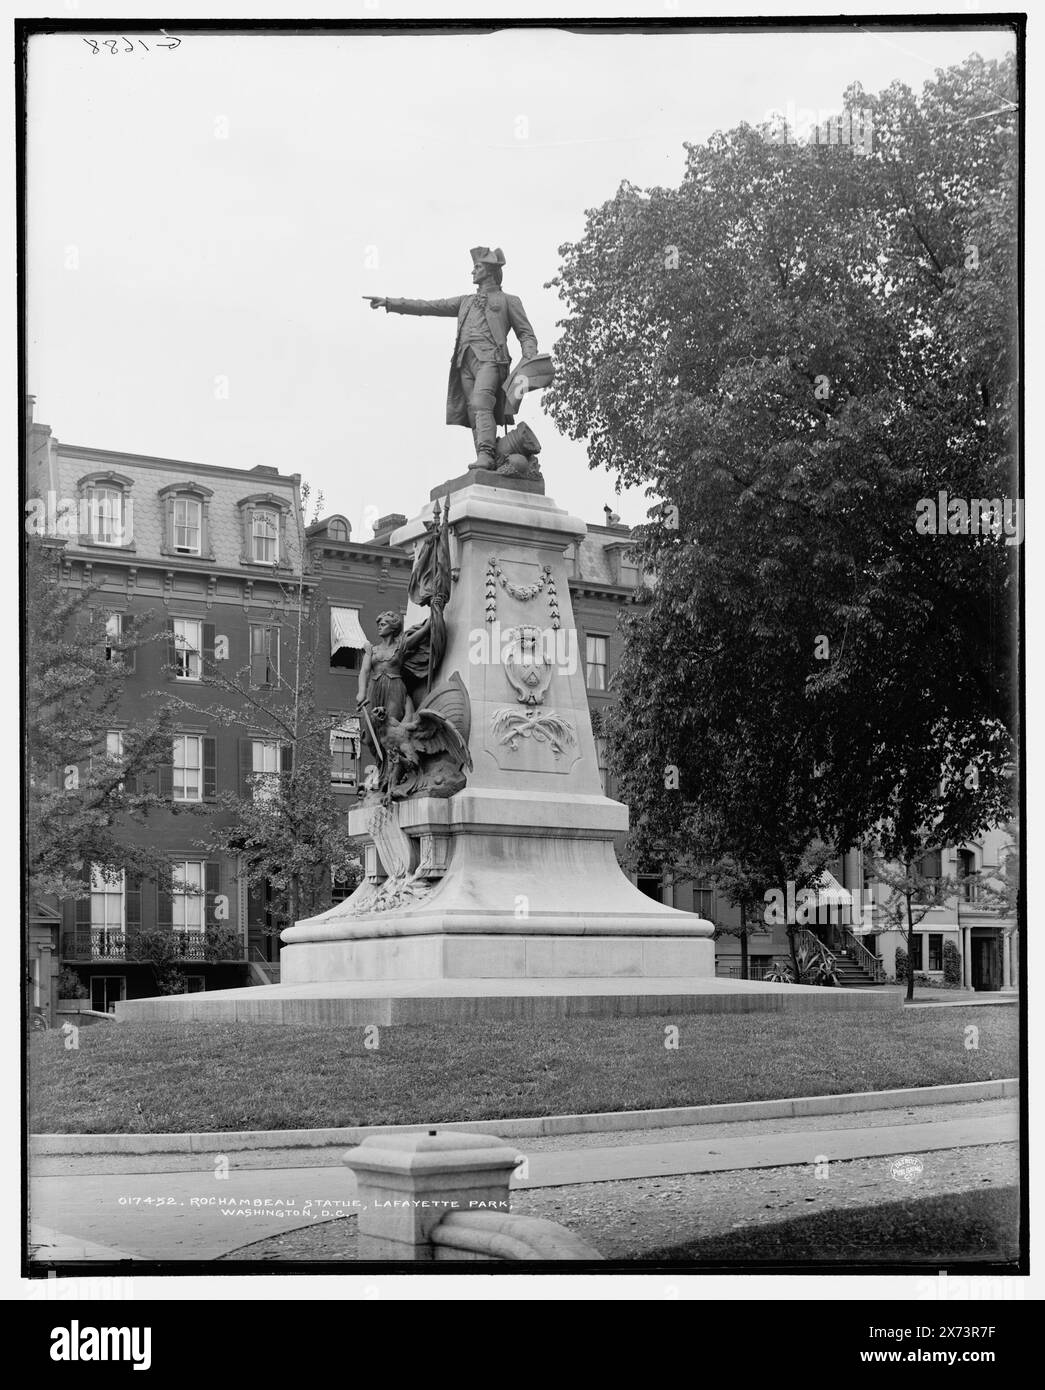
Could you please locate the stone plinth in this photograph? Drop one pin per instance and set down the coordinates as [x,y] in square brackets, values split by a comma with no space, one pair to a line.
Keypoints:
[514,877]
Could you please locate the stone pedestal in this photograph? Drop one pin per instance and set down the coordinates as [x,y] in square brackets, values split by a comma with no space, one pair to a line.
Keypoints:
[515,877]
[408,1183]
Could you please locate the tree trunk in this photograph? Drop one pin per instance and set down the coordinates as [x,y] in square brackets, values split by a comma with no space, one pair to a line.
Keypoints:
[792,929]
[910,949]
[744,968]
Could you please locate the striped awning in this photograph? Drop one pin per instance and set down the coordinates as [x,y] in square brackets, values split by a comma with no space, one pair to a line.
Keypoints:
[345,630]
[347,729]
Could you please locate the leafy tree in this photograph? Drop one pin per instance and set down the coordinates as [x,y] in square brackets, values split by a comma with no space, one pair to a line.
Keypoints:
[1000,891]
[791,351]
[910,895]
[81,797]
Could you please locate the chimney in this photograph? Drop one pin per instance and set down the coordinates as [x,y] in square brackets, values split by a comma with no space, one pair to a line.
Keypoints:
[385,525]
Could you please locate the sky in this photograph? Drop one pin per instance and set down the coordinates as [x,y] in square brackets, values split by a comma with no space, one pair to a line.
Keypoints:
[203,221]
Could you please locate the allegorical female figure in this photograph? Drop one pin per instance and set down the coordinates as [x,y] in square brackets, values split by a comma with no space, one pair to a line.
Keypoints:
[382,675]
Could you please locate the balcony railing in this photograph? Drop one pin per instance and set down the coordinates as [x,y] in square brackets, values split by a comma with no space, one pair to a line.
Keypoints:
[100,944]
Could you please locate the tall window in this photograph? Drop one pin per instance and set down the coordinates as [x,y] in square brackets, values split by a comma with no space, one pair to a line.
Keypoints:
[597,662]
[113,636]
[704,900]
[105,515]
[264,528]
[341,886]
[187,900]
[188,530]
[188,646]
[966,870]
[264,654]
[188,764]
[929,866]
[935,950]
[114,749]
[107,900]
[344,754]
[266,760]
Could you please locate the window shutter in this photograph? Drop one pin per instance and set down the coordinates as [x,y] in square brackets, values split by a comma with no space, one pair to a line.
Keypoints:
[167,544]
[272,655]
[128,652]
[210,769]
[283,559]
[246,765]
[170,649]
[134,902]
[259,661]
[165,780]
[286,757]
[91,620]
[164,908]
[82,915]
[208,649]
[206,549]
[212,887]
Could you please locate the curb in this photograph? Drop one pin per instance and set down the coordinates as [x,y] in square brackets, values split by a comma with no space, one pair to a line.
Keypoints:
[542,1126]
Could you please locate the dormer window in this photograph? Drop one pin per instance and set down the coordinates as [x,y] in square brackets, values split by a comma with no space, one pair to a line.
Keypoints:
[186,521]
[188,525]
[264,531]
[105,510]
[338,530]
[263,519]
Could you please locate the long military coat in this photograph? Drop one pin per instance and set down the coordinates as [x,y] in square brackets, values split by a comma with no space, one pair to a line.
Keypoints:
[503,312]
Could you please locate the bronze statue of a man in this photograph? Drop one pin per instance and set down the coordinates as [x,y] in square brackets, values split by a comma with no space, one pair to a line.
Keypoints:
[481,361]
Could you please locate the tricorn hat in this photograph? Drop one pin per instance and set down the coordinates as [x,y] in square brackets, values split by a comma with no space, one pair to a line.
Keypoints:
[483,255]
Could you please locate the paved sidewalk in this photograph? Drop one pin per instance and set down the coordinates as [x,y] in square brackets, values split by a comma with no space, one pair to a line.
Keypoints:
[193,1214]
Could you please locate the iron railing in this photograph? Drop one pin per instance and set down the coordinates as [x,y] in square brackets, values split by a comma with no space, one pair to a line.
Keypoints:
[103,945]
[862,957]
[731,970]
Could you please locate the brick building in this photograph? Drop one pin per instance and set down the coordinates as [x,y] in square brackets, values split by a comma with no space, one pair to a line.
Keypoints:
[223,563]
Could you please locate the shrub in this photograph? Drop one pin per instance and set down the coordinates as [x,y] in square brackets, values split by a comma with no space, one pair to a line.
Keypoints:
[952,964]
[901,964]
[70,986]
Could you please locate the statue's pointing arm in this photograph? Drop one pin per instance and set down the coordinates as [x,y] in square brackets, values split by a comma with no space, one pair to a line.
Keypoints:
[442,308]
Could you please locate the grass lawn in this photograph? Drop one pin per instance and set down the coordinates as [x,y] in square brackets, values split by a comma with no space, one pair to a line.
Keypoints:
[160,1078]
[961,1226]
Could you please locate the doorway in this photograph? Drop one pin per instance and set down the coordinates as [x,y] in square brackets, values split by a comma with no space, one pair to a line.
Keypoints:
[986,963]
[107,990]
